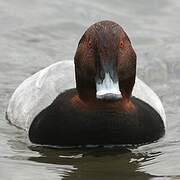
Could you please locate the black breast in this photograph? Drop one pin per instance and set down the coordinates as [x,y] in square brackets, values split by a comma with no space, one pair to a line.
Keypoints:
[62,124]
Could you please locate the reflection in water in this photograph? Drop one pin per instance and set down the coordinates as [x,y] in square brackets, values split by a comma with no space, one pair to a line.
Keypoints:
[96,163]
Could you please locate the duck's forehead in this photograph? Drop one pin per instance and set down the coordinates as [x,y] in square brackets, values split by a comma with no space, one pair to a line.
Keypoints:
[106,34]
[107,26]
[111,28]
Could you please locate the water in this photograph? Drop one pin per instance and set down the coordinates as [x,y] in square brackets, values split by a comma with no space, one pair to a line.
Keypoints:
[37,33]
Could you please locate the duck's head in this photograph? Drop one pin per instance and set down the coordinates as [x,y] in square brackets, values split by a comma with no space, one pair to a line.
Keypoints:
[105,63]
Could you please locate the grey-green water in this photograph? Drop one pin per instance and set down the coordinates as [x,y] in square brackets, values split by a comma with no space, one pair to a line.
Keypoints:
[37,33]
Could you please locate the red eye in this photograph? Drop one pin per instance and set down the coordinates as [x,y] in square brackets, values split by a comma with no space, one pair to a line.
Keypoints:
[121,44]
[89,44]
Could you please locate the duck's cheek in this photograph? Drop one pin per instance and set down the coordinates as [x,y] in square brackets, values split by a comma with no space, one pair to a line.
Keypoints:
[126,69]
[89,70]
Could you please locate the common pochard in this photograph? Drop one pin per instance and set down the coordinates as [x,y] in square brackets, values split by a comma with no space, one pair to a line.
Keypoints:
[104,103]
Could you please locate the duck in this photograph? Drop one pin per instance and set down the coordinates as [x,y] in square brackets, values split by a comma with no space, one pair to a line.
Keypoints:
[95,100]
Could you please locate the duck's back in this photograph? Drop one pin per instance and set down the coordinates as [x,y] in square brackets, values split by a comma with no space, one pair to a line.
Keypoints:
[38,91]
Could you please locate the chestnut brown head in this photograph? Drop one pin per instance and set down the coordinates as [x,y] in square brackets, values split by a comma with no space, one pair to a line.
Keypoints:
[105,63]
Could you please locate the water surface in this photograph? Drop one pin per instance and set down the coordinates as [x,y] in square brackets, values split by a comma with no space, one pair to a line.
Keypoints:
[37,33]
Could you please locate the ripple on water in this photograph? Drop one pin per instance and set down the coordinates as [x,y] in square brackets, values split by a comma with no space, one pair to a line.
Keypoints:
[37,33]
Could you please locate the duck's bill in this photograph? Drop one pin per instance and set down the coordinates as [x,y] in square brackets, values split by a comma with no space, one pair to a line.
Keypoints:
[108,89]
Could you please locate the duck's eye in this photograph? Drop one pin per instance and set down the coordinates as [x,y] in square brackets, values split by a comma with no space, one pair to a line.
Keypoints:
[89,44]
[121,44]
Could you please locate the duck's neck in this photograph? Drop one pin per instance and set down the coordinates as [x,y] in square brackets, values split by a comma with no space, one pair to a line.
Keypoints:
[94,104]
[87,94]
